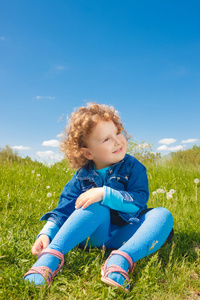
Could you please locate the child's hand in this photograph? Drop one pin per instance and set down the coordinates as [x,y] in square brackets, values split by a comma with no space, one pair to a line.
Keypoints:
[91,196]
[40,244]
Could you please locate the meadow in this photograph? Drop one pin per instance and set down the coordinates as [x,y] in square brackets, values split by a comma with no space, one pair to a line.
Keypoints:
[29,189]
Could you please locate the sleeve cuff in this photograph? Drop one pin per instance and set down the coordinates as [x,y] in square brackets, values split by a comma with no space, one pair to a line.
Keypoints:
[50,229]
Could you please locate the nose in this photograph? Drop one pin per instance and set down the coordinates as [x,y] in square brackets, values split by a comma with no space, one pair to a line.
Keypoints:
[117,141]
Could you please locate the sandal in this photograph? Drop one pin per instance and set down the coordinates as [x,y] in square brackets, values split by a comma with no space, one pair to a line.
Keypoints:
[45,271]
[114,268]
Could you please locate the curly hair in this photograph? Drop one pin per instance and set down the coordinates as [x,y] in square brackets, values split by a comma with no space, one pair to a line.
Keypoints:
[80,125]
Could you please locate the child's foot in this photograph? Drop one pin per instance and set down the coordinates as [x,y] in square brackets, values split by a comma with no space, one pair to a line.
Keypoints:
[40,274]
[34,275]
[115,270]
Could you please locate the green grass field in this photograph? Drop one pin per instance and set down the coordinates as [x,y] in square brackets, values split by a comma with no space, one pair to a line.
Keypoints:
[173,272]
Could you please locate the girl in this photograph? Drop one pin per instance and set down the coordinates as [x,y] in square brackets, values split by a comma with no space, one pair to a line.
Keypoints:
[105,201]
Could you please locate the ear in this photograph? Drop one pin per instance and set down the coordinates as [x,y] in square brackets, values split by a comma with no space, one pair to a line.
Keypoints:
[86,153]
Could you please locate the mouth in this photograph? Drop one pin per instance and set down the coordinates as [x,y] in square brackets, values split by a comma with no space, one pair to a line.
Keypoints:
[118,151]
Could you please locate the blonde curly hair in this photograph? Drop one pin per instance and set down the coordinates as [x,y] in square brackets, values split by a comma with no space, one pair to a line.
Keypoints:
[80,125]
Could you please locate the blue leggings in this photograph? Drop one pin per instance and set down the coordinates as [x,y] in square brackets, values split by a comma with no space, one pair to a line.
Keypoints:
[137,240]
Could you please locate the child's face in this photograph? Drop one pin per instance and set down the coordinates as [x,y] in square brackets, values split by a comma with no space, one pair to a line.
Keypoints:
[105,145]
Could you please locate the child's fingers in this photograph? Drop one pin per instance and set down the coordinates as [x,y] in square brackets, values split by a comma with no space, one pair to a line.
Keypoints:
[91,196]
[40,244]
[87,202]
[46,243]
[37,248]
[80,202]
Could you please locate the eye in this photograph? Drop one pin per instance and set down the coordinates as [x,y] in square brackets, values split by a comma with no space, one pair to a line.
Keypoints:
[106,140]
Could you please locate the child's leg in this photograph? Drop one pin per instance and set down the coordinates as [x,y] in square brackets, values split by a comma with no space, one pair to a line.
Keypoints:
[78,227]
[140,239]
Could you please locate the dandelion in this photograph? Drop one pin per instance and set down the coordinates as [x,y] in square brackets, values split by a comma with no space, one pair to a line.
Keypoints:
[47,187]
[162,191]
[49,195]
[38,175]
[154,193]
[172,191]
[169,196]
[33,171]
[159,191]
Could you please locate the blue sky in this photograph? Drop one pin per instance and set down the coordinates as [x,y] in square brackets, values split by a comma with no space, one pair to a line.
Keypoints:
[142,57]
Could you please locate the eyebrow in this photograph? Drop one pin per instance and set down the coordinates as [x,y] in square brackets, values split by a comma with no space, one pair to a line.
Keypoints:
[102,138]
[106,136]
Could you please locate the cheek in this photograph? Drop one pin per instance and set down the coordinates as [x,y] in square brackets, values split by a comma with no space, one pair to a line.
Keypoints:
[105,150]
[124,141]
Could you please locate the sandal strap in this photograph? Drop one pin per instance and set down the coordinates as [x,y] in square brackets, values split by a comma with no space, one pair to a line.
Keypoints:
[42,270]
[116,269]
[125,255]
[55,253]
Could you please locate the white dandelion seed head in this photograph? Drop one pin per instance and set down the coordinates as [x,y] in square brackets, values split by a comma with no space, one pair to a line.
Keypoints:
[38,175]
[162,191]
[33,171]
[159,191]
[172,191]
[49,195]
[196,180]
[47,187]
[168,193]
[169,196]
[154,193]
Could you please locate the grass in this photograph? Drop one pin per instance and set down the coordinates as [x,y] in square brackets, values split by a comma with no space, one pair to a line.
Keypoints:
[173,272]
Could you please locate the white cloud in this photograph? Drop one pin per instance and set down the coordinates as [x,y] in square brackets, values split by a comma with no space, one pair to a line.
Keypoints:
[45,97]
[189,141]
[167,141]
[165,148]
[20,148]
[51,143]
[60,135]
[2,38]
[50,155]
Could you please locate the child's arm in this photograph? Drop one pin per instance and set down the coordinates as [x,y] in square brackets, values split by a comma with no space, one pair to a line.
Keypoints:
[50,229]
[137,191]
[113,199]
[56,218]
[66,204]
[135,195]
[45,237]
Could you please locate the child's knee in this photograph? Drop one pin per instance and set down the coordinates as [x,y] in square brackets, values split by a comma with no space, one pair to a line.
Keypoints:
[98,208]
[164,214]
